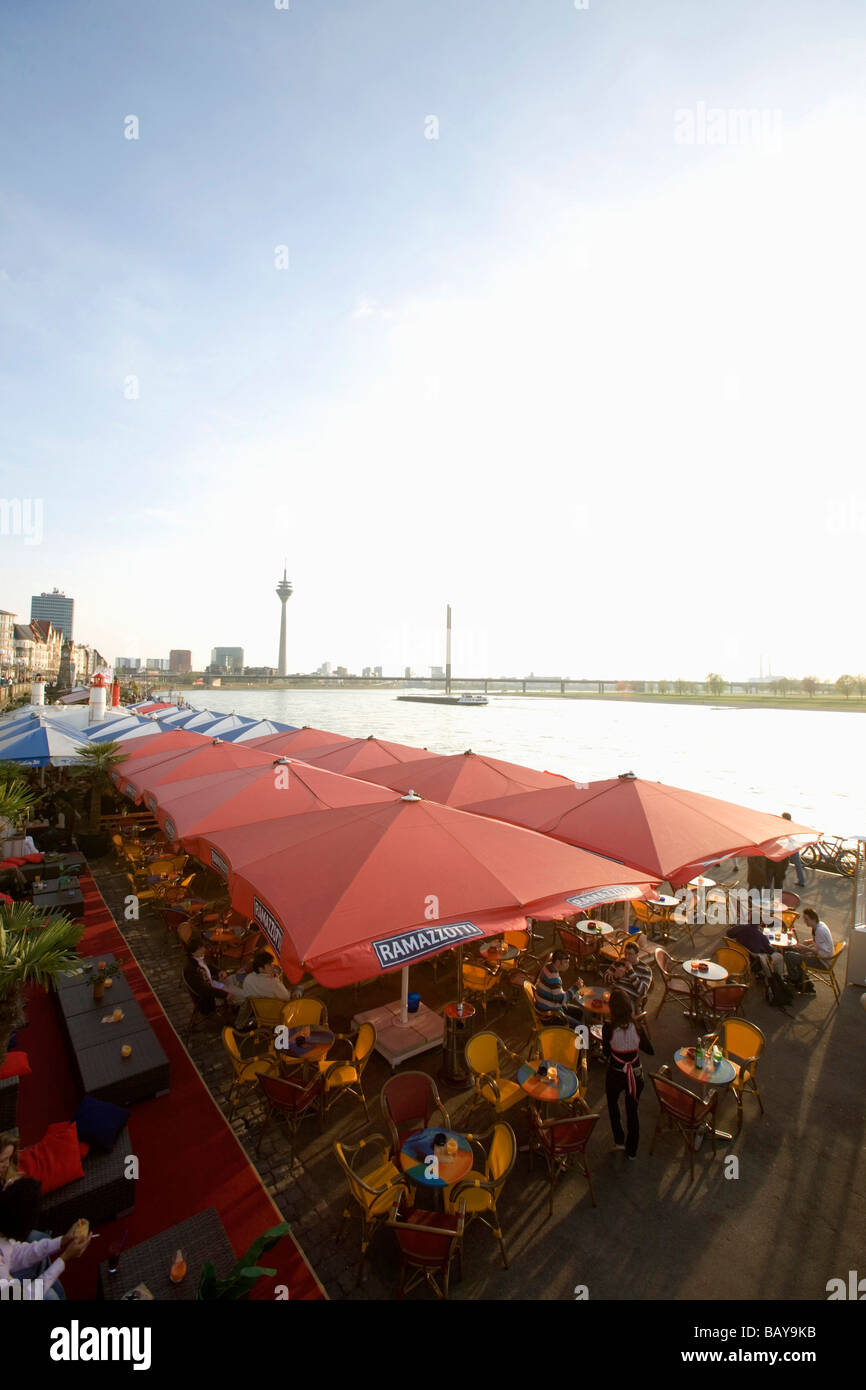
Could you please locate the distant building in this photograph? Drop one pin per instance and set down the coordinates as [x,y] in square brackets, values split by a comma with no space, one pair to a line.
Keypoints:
[408,673]
[180,662]
[128,663]
[341,671]
[157,663]
[227,661]
[8,628]
[260,670]
[325,669]
[38,649]
[56,608]
[377,671]
[437,672]
[366,672]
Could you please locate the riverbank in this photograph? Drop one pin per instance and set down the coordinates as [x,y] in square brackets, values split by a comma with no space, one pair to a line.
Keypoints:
[628,697]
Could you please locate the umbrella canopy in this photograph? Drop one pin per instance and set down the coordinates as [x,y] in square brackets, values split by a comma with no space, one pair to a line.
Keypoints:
[261,728]
[142,728]
[353,756]
[153,706]
[175,716]
[661,830]
[223,800]
[110,728]
[358,891]
[198,719]
[228,723]
[462,778]
[141,753]
[42,745]
[201,761]
[295,744]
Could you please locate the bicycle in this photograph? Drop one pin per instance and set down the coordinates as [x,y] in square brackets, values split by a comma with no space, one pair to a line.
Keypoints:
[830,855]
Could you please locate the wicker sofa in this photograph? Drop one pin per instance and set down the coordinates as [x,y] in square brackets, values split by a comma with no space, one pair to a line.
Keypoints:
[101,1195]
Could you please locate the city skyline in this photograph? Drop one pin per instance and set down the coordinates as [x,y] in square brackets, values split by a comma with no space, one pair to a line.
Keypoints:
[572,360]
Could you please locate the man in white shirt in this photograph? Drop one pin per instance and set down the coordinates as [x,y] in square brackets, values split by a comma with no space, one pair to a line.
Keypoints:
[262,982]
[817,953]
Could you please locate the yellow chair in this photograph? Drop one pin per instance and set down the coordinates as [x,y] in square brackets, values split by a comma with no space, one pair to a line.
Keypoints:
[373,1181]
[347,1077]
[478,981]
[742,1044]
[484,1052]
[479,1191]
[304,1013]
[562,1045]
[735,960]
[268,1013]
[827,973]
[537,1020]
[643,913]
[247,1069]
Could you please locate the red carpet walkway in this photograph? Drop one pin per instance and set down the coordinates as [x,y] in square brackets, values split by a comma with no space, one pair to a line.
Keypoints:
[189,1158]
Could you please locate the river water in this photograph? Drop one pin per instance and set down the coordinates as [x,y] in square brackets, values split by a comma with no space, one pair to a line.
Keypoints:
[810,763]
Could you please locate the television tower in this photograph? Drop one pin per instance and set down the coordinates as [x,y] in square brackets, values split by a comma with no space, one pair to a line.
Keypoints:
[284,593]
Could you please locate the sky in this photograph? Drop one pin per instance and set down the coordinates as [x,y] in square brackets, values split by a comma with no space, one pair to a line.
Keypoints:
[509,305]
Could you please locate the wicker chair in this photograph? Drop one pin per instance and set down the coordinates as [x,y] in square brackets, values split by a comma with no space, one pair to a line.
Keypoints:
[560,1140]
[681,1109]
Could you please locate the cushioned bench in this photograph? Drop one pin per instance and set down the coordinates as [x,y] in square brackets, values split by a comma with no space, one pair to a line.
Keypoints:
[101,1195]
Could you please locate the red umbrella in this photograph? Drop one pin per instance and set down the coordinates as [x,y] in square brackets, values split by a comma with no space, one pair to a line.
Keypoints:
[292,744]
[462,778]
[215,756]
[358,891]
[197,806]
[665,831]
[146,752]
[353,757]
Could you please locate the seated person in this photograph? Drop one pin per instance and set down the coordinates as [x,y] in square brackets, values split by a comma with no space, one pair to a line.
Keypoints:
[262,982]
[198,976]
[553,1003]
[765,959]
[9,1170]
[817,953]
[631,976]
[21,1257]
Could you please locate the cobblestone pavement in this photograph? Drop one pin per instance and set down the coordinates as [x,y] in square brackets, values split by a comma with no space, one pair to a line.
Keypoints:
[653,1234]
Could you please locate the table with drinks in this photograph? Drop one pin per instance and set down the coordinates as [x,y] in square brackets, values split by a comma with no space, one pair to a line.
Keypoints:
[452,1153]
[698,971]
[155,1262]
[709,1069]
[547,1081]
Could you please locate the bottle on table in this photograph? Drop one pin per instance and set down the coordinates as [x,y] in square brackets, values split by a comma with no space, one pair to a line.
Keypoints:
[177,1273]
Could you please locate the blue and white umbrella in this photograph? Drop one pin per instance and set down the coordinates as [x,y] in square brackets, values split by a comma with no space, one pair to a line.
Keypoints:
[228,724]
[43,745]
[107,729]
[142,729]
[259,729]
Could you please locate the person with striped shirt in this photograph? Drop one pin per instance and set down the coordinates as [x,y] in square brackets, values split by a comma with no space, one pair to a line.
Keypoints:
[631,976]
[553,1002]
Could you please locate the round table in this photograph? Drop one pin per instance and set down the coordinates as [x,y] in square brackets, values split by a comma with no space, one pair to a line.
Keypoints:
[595,1001]
[706,1077]
[468,1011]
[593,928]
[451,1167]
[496,954]
[664,904]
[563,1088]
[702,882]
[308,1048]
[713,973]
[780,941]
[664,900]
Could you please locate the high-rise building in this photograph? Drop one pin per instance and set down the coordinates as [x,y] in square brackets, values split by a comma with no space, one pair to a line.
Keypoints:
[157,663]
[128,663]
[325,669]
[227,660]
[437,673]
[7,641]
[284,593]
[377,671]
[57,608]
[180,662]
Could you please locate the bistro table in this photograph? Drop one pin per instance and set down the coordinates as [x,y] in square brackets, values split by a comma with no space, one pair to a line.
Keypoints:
[201,1238]
[780,941]
[596,1001]
[564,1088]
[702,882]
[451,1167]
[68,900]
[589,927]
[717,1074]
[496,954]
[308,1043]
[701,971]
[664,905]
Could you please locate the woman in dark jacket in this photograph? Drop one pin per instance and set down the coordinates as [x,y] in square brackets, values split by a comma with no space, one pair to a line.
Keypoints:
[206,989]
[622,1042]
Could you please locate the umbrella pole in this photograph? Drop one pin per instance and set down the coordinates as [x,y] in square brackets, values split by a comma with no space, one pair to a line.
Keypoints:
[626,913]
[460,976]
[404,994]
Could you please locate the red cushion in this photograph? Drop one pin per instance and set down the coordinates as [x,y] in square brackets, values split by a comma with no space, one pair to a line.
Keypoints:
[33,858]
[16,1064]
[14,863]
[83,1149]
[55,1160]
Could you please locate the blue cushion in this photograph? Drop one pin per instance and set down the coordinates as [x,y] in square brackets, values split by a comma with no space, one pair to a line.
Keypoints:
[99,1122]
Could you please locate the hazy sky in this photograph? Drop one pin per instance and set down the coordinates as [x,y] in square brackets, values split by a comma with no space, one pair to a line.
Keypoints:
[561,338]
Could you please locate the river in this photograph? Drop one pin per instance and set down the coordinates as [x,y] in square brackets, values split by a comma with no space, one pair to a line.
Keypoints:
[810,763]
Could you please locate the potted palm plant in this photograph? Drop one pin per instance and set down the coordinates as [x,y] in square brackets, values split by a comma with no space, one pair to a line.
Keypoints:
[35,947]
[16,800]
[241,1280]
[91,776]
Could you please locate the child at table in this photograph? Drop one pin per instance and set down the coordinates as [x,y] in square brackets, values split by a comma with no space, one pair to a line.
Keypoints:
[622,1041]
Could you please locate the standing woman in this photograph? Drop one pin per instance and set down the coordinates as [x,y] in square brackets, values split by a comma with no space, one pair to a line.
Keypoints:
[622,1042]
